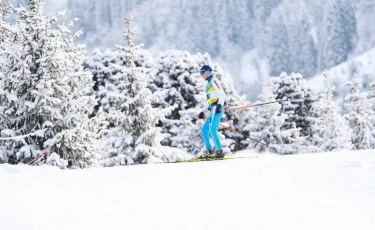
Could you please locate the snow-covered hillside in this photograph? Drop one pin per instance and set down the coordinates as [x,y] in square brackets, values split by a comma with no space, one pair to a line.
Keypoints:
[307,191]
[363,66]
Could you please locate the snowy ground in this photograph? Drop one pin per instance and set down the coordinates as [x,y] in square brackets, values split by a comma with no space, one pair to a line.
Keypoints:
[317,191]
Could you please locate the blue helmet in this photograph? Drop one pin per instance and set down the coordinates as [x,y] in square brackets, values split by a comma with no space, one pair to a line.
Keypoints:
[206,68]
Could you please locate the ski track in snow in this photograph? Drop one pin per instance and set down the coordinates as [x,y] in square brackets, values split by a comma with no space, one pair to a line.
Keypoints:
[307,191]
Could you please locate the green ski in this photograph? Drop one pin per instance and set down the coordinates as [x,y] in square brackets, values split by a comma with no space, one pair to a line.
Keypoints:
[198,159]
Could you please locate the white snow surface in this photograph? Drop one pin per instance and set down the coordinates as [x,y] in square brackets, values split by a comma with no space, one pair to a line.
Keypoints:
[296,192]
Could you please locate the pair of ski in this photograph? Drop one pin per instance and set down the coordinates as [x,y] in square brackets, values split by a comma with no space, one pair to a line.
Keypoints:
[214,158]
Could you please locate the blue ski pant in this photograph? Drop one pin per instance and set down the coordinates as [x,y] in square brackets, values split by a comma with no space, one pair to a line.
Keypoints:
[211,127]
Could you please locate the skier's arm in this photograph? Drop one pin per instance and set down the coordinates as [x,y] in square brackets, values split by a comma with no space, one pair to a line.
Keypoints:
[220,91]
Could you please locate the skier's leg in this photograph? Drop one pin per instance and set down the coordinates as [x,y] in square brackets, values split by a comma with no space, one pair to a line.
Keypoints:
[214,129]
[205,133]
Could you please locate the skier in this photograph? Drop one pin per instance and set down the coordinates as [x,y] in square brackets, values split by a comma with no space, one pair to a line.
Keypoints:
[215,99]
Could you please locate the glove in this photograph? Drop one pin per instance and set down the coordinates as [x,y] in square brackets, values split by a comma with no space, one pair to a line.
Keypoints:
[218,109]
[201,115]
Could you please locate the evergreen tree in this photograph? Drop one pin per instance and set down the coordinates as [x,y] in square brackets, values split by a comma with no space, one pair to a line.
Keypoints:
[262,11]
[339,33]
[371,98]
[222,30]
[44,89]
[267,127]
[359,116]
[103,66]
[297,101]
[366,34]
[302,51]
[289,43]
[5,8]
[329,130]
[134,137]
[263,125]
[277,43]
[239,18]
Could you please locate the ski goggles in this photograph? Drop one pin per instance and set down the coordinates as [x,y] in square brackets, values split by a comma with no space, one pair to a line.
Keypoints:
[203,71]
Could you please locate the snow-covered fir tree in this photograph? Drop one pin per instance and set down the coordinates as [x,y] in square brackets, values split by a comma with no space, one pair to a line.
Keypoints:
[5,8]
[339,33]
[371,98]
[44,89]
[239,15]
[302,53]
[371,95]
[103,66]
[266,129]
[297,99]
[359,116]
[329,130]
[277,43]
[262,10]
[99,64]
[133,137]
[290,45]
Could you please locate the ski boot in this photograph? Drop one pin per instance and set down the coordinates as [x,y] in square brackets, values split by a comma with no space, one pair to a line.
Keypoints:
[220,154]
[208,154]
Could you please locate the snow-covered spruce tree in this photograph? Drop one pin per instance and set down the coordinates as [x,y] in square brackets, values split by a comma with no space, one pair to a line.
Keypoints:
[262,9]
[329,130]
[133,137]
[289,43]
[302,51]
[277,42]
[371,98]
[102,65]
[339,33]
[359,116]
[267,124]
[238,16]
[44,90]
[371,95]
[4,39]
[5,8]
[297,99]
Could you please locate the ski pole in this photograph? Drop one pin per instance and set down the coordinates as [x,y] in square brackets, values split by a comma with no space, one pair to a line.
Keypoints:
[37,159]
[251,106]
[237,132]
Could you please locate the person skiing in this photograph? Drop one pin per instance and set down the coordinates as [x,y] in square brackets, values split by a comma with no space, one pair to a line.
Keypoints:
[215,99]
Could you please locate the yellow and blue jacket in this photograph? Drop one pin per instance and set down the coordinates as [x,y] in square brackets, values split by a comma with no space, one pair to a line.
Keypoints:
[215,92]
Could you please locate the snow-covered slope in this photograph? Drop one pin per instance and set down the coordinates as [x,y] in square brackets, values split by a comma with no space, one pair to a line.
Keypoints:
[315,191]
[363,66]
